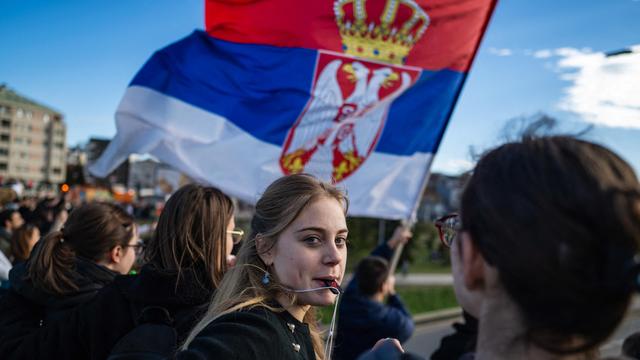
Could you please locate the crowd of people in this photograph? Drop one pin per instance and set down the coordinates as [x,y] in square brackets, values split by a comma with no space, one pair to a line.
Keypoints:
[544,254]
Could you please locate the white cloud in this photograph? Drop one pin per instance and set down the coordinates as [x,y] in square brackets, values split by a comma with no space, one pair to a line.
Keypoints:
[500,52]
[454,166]
[603,90]
[543,54]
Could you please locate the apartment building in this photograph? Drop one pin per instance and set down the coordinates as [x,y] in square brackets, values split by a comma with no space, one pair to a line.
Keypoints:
[32,140]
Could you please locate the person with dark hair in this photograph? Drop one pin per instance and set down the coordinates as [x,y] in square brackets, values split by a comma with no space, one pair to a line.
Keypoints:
[10,220]
[548,233]
[370,309]
[547,239]
[50,214]
[184,264]
[462,342]
[22,242]
[67,268]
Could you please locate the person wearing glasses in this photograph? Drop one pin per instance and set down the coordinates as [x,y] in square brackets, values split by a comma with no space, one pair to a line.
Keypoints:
[184,263]
[462,343]
[547,243]
[67,268]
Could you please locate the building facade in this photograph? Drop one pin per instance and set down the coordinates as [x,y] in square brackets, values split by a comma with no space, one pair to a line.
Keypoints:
[32,140]
[119,176]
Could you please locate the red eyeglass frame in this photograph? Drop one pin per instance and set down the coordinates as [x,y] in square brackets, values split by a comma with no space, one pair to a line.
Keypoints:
[440,223]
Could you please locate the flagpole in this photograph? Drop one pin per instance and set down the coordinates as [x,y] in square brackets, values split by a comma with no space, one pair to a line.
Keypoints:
[413,217]
[411,221]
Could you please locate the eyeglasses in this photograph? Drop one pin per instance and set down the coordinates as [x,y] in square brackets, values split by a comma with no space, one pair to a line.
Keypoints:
[236,235]
[138,247]
[448,227]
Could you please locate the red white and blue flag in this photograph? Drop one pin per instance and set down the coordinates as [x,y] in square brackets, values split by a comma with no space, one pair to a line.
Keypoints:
[354,91]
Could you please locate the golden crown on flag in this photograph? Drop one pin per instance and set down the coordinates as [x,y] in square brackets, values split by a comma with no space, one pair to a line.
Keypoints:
[386,34]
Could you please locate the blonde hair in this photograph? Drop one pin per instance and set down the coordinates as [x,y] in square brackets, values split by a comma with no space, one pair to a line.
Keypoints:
[242,287]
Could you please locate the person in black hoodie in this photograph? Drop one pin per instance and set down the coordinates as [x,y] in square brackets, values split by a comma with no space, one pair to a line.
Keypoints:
[67,268]
[184,263]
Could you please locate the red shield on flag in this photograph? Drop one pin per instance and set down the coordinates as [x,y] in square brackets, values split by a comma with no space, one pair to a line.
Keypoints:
[343,120]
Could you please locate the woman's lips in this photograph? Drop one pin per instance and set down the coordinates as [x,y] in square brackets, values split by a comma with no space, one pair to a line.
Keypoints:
[334,286]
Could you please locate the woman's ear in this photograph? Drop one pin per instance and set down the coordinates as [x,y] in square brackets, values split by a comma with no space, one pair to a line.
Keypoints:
[266,251]
[116,254]
[472,261]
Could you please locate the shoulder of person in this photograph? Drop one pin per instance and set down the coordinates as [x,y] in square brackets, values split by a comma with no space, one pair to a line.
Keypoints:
[247,334]
[251,320]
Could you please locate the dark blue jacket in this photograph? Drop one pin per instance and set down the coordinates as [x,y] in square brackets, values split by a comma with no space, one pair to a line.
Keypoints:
[363,321]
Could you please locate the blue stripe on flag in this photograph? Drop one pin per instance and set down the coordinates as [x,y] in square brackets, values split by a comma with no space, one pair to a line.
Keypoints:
[263,89]
[418,118]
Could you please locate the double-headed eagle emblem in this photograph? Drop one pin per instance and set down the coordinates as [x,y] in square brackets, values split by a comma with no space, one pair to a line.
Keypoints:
[352,93]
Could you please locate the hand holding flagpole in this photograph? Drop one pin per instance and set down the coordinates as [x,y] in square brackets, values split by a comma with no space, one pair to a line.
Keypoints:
[401,235]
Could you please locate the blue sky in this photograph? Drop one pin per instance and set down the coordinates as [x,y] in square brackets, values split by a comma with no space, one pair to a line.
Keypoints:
[537,56]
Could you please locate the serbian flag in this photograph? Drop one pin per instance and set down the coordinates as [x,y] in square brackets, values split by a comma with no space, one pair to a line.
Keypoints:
[357,92]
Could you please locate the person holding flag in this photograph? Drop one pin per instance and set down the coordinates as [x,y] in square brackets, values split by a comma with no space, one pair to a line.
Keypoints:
[370,309]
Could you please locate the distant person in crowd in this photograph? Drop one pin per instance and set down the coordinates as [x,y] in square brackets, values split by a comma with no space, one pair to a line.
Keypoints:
[370,309]
[547,239]
[23,240]
[50,214]
[27,207]
[10,220]
[66,269]
[295,256]
[184,261]
[5,267]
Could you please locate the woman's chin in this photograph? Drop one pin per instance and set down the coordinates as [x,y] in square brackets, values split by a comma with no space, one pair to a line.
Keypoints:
[323,299]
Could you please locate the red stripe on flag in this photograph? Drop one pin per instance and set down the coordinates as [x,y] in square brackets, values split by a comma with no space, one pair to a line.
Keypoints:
[449,42]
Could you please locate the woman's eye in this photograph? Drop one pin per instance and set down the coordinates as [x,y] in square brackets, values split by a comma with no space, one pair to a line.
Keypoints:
[312,240]
[341,241]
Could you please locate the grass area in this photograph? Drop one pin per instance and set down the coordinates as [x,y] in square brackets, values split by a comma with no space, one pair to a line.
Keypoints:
[429,267]
[418,299]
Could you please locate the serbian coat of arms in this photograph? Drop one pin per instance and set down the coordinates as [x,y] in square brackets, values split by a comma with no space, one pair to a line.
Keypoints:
[353,91]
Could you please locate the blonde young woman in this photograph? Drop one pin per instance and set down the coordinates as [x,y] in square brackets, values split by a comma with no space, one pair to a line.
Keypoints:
[293,260]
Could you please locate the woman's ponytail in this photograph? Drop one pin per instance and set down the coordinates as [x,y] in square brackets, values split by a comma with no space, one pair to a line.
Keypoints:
[50,266]
[90,233]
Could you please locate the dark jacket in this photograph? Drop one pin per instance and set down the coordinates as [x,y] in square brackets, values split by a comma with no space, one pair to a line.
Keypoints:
[462,342]
[26,308]
[91,330]
[253,334]
[363,321]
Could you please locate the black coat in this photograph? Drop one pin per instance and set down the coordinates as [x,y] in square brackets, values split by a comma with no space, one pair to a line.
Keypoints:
[26,308]
[258,333]
[461,342]
[91,330]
